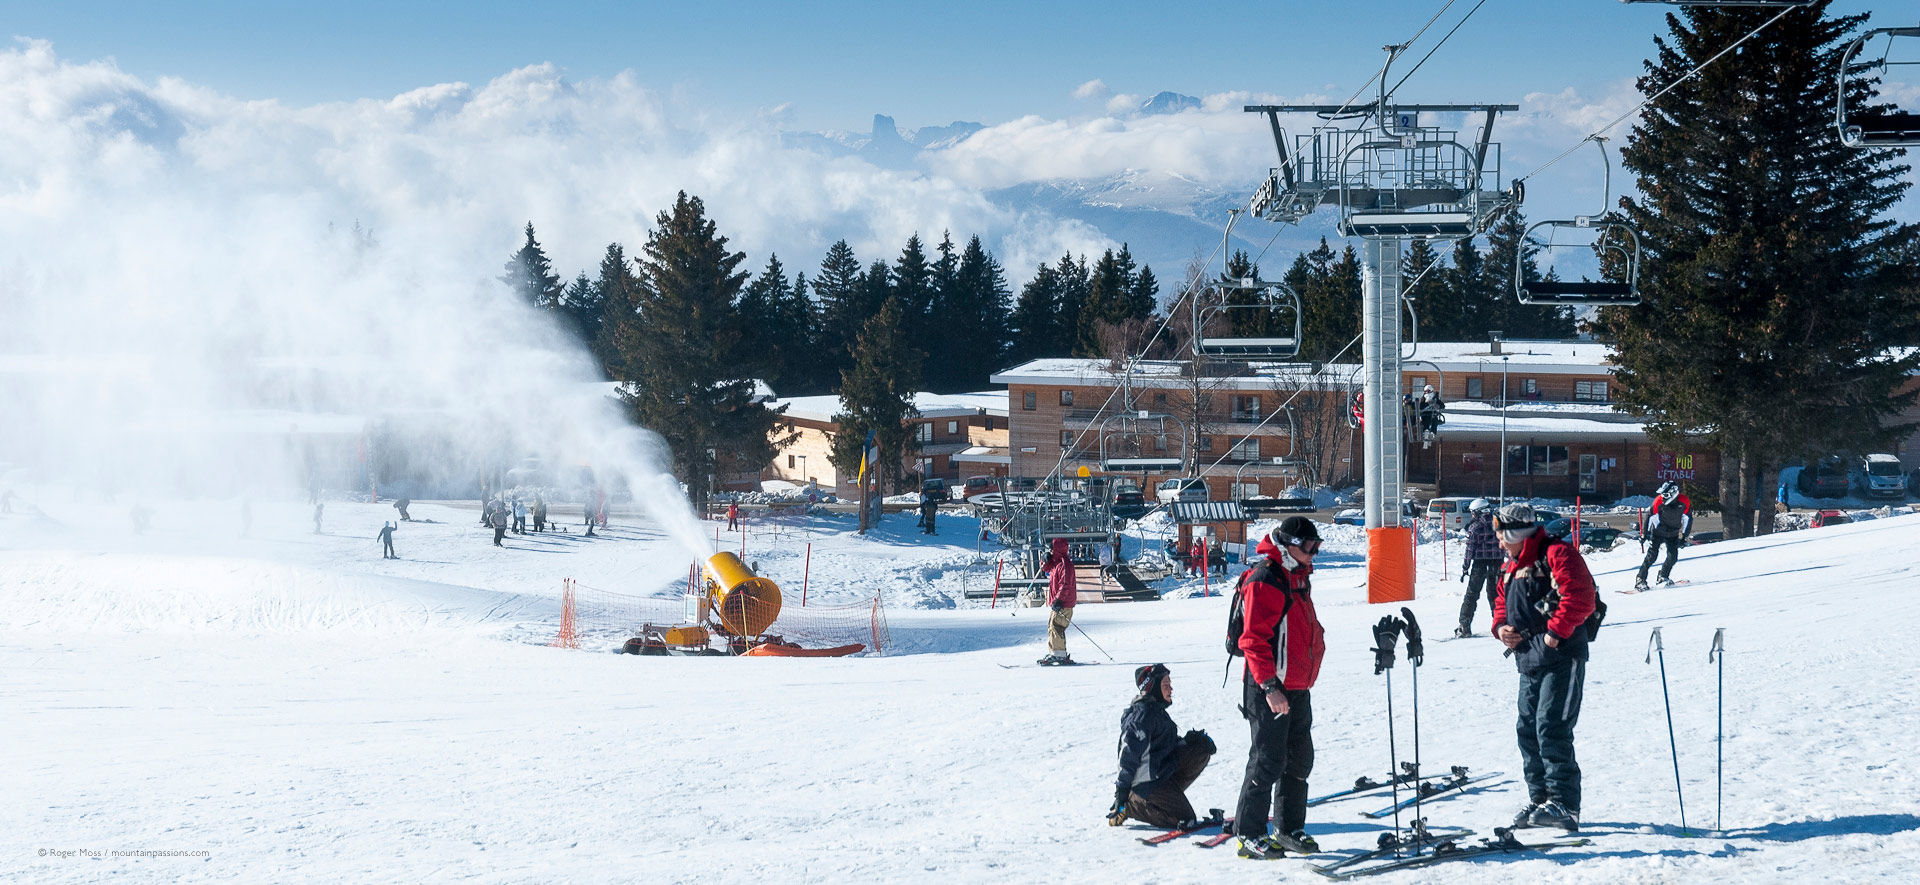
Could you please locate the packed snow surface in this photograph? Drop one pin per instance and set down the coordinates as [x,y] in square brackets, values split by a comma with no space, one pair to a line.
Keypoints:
[288,706]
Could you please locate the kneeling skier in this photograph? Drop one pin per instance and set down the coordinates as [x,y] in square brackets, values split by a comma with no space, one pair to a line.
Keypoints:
[1157,763]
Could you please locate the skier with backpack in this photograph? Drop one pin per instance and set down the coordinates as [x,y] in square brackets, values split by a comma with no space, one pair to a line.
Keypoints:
[1482,565]
[1545,610]
[1273,626]
[1157,763]
[1669,523]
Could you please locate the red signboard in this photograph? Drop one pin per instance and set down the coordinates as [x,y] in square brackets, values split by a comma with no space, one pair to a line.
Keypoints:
[1675,466]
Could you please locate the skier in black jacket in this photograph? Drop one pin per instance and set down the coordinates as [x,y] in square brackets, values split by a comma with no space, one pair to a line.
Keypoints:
[1157,764]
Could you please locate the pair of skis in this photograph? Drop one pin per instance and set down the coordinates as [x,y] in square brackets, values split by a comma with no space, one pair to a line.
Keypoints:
[1431,789]
[1394,843]
[1502,842]
[1409,774]
[1216,819]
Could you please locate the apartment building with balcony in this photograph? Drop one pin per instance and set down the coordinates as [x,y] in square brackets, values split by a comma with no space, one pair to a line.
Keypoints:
[959,435]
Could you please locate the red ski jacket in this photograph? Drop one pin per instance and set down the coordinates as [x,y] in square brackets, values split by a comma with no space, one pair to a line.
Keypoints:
[1288,649]
[1062,587]
[1567,576]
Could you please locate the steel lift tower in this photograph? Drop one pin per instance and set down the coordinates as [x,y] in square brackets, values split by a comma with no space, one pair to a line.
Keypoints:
[1392,178]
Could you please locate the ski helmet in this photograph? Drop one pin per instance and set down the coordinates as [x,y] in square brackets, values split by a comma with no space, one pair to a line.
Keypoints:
[1147,678]
[1297,531]
[1514,521]
[1669,492]
[1428,389]
[1480,505]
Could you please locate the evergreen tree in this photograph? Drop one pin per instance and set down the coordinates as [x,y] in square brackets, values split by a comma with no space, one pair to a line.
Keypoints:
[582,306]
[913,285]
[1329,300]
[1771,273]
[1103,304]
[948,314]
[1076,282]
[686,383]
[530,275]
[778,330]
[620,300]
[876,394]
[1441,317]
[1501,302]
[1036,317]
[979,330]
[842,310]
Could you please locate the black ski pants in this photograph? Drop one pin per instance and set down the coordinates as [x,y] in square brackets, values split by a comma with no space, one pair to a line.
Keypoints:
[1278,763]
[1481,577]
[1165,805]
[1654,543]
[387,549]
[1549,709]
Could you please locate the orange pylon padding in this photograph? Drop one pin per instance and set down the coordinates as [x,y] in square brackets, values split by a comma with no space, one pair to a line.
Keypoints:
[567,638]
[1390,564]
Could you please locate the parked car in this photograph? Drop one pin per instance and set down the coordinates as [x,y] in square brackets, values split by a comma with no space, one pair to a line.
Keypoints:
[1708,537]
[1592,535]
[1452,512]
[1129,503]
[1825,478]
[978,485]
[1187,490]
[1879,477]
[936,489]
[1830,517]
[1409,511]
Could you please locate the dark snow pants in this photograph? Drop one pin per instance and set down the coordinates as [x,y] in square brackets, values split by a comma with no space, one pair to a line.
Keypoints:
[1654,543]
[1277,764]
[1549,709]
[1480,578]
[387,549]
[1165,805]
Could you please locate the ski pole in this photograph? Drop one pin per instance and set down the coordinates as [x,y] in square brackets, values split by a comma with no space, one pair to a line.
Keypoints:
[1654,646]
[1416,655]
[1090,639]
[1718,654]
[1384,634]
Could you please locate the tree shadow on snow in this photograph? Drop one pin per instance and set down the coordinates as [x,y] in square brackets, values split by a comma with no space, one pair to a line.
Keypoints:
[1849,825]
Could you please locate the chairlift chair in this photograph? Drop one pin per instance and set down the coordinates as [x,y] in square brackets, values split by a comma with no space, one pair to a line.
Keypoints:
[1862,128]
[1271,300]
[1612,239]
[1120,443]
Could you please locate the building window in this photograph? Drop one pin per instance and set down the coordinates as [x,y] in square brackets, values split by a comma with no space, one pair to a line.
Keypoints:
[1537,460]
[1028,403]
[1530,388]
[1247,450]
[1066,439]
[1590,391]
[1244,490]
[953,427]
[1206,443]
[1473,388]
[1246,408]
[789,461]
[923,432]
[1066,397]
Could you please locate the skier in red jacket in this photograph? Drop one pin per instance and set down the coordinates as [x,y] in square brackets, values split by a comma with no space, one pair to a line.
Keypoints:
[1283,643]
[1540,610]
[1062,592]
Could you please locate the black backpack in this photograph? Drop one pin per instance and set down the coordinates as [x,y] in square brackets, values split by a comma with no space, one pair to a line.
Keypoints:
[1590,628]
[1237,615]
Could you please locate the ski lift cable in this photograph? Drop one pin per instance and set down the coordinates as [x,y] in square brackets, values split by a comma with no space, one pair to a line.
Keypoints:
[1390,56]
[1284,404]
[1436,46]
[1656,96]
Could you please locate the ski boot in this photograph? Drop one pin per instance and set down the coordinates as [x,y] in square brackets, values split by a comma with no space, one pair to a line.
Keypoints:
[1553,814]
[1640,586]
[1461,632]
[1261,848]
[1524,818]
[1666,581]
[1297,842]
[1055,659]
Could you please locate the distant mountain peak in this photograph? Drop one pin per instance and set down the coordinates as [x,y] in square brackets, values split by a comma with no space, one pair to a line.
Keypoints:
[1169,103]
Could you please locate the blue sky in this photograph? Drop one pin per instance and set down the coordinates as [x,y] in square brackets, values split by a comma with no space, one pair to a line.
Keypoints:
[835,64]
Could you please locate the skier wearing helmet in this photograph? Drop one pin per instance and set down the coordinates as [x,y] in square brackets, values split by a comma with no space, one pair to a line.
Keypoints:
[1430,407]
[1669,523]
[1481,568]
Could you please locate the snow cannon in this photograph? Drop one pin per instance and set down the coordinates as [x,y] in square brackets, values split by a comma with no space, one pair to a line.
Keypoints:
[746,603]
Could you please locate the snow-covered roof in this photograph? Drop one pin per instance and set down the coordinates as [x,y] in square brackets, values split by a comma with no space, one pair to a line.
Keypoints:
[930,405]
[985,455]
[1486,422]
[1548,357]
[1170,374]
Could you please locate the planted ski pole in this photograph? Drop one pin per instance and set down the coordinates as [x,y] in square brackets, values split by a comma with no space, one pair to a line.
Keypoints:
[1385,634]
[1718,654]
[1416,655]
[1095,644]
[1654,646]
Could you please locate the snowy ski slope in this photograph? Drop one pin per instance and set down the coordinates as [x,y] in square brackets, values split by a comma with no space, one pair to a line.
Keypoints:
[300,710]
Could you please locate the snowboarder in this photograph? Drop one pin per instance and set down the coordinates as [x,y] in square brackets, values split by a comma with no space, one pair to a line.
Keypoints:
[929,509]
[1283,643]
[1669,523]
[733,515]
[143,518]
[1062,592]
[386,541]
[1481,568]
[319,507]
[1157,763]
[401,505]
[1540,610]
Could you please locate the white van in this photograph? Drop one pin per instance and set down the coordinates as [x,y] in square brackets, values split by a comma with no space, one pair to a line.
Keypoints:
[1880,477]
[1452,513]
[1182,491]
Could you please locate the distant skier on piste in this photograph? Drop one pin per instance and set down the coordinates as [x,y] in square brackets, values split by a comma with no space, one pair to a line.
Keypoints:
[1062,592]
[1541,609]
[386,541]
[1669,523]
[1481,567]
[1283,643]
[1157,763]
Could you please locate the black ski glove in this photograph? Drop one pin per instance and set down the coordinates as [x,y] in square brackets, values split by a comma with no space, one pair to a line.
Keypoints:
[1415,651]
[1463,573]
[1059,606]
[1199,738]
[1385,634]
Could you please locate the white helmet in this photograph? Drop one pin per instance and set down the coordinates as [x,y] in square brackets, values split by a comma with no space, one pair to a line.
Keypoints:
[1669,492]
[1480,505]
[1429,388]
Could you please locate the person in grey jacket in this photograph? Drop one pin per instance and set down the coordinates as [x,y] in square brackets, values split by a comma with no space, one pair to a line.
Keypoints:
[1481,567]
[1157,763]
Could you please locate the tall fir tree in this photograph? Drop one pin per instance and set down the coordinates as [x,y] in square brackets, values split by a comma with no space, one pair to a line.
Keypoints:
[876,394]
[980,330]
[620,301]
[582,305]
[1036,317]
[913,284]
[1076,281]
[842,310]
[530,275]
[777,341]
[1439,316]
[686,382]
[1771,277]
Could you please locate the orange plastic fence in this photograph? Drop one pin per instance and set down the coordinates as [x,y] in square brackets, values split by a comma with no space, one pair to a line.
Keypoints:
[1390,564]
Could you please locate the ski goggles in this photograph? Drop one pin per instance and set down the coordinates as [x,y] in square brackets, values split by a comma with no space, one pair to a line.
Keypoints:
[1308,546]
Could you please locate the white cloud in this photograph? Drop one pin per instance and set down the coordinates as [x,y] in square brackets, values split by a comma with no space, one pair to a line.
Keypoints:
[1124,103]
[1095,88]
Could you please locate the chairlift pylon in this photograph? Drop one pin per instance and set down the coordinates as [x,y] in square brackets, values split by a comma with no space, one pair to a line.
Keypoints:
[1863,128]
[1611,239]
[1271,300]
